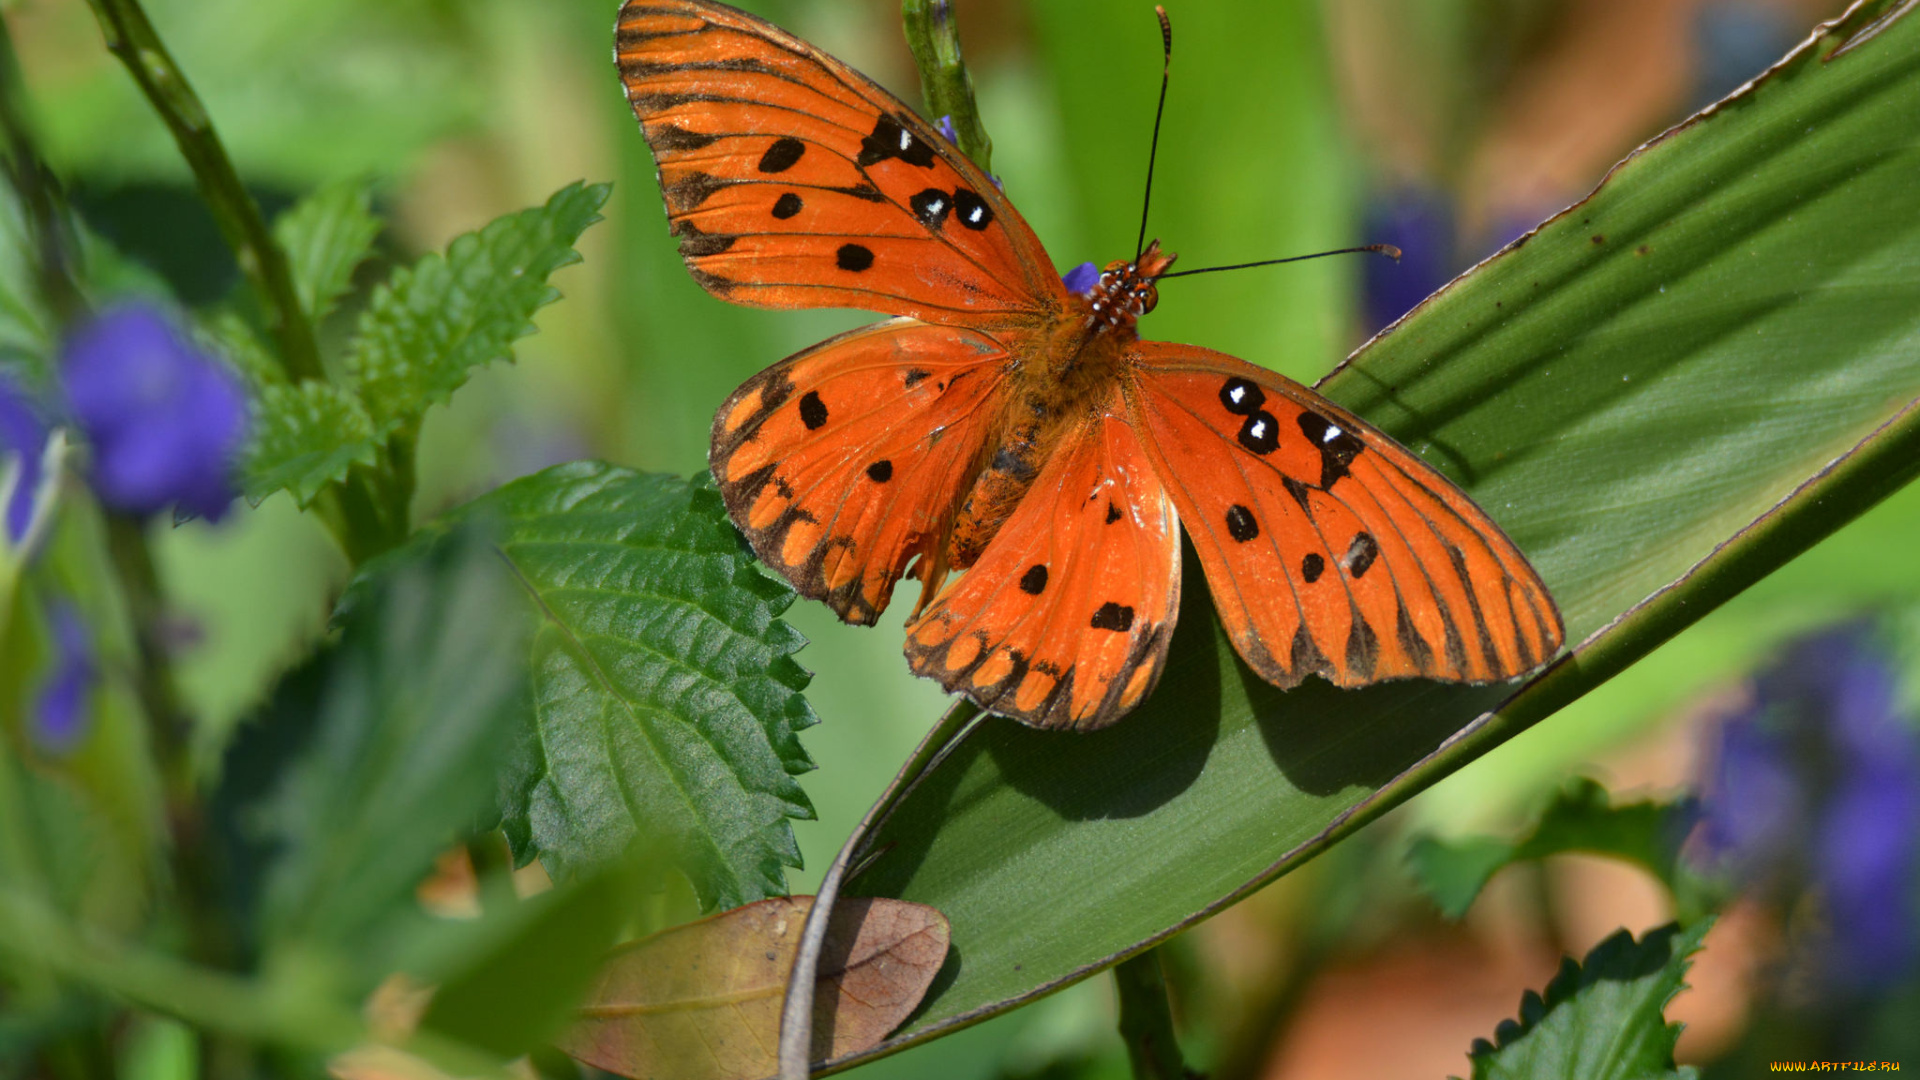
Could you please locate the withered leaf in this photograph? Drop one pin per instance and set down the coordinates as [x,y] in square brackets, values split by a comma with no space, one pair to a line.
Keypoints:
[702,1001]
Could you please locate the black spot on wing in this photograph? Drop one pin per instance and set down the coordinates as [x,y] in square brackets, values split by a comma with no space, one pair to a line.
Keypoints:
[971,209]
[1242,397]
[1361,553]
[853,257]
[915,376]
[932,207]
[813,411]
[1034,581]
[1113,513]
[1312,566]
[786,206]
[784,154]
[880,471]
[1261,433]
[1240,523]
[1113,616]
[891,140]
[1337,446]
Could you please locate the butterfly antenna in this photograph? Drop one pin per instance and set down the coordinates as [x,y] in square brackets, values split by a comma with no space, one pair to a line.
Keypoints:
[1388,250]
[1166,62]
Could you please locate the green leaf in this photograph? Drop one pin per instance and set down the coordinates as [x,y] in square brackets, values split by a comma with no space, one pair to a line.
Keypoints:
[666,702]
[377,754]
[305,437]
[1658,417]
[433,322]
[326,236]
[1581,818]
[1602,1019]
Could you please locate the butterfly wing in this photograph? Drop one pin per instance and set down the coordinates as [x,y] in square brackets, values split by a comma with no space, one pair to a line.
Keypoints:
[1065,620]
[842,462]
[1331,549]
[794,181]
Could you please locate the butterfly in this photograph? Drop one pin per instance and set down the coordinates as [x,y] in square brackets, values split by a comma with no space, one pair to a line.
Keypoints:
[1003,425]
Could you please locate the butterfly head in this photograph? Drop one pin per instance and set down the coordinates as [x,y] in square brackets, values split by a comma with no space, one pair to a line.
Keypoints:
[1126,289]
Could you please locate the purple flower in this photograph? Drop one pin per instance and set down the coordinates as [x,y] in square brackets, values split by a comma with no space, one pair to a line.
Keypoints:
[1816,783]
[1081,279]
[944,125]
[23,434]
[1418,221]
[60,708]
[164,419]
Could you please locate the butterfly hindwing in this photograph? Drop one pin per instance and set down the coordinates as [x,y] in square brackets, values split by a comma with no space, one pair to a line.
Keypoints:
[841,463]
[792,180]
[1330,548]
[1065,619]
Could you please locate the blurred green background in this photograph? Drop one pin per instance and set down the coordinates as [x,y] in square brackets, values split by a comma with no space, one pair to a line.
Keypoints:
[1445,126]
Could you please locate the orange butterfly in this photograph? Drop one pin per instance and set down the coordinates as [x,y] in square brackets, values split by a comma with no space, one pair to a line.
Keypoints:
[1001,424]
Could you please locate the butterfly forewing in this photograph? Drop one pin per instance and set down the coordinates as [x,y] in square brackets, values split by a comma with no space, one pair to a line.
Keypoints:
[841,463]
[794,181]
[1330,548]
[1065,620]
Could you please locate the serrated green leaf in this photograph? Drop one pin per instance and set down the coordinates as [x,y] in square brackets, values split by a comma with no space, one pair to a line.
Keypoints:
[666,701]
[326,236]
[1581,818]
[1602,1019]
[378,753]
[433,322]
[305,437]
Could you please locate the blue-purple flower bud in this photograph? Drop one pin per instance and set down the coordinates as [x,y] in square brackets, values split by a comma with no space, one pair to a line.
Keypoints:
[1081,279]
[165,420]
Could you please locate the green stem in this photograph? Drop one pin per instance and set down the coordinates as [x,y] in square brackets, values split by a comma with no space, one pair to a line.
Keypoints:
[944,80]
[1146,1018]
[132,38]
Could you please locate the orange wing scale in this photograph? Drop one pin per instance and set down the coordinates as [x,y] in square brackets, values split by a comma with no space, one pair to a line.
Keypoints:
[841,463]
[1331,549]
[793,181]
[1065,620]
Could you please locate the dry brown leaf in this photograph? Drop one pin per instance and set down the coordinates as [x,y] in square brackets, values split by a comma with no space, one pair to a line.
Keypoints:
[702,1001]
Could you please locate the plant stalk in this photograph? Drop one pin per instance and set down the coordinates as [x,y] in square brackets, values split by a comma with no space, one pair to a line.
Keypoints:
[945,82]
[131,37]
[1146,1018]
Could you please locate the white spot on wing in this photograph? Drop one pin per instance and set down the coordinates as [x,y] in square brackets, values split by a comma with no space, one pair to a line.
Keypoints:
[1332,434]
